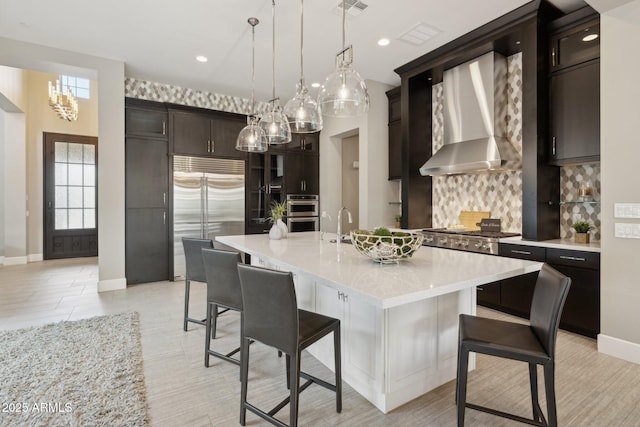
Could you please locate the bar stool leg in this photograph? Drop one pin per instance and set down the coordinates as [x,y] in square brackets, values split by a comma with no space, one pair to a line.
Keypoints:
[207,335]
[550,389]
[533,379]
[461,386]
[295,385]
[187,285]
[244,373]
[338,368]
[214,321]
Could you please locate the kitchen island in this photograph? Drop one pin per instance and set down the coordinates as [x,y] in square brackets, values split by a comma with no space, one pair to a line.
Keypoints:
[399,321]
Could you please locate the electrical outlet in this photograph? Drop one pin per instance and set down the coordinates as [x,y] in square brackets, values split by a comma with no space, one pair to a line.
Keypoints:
[626,210]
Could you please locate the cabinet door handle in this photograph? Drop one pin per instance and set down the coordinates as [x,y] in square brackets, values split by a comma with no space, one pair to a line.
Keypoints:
[553,56]
[164,199]
[208,146]
[164,217]
[213,145]
[164,127]
[572,258]
[514,251]
[553,145]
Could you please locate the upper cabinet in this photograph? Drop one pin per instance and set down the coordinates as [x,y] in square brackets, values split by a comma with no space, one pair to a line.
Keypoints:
[302,142]
[395,134]
[574,89]
[145,122]
[204,134]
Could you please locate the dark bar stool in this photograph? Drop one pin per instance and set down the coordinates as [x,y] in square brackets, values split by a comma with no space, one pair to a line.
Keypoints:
[534,344]
[223,290]
[271,316]
[195,272]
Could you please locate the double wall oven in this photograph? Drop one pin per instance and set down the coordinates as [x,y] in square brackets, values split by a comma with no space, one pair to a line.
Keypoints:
[303,212]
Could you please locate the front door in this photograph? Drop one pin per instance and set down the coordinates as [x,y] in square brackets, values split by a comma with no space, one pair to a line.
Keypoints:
[70,196]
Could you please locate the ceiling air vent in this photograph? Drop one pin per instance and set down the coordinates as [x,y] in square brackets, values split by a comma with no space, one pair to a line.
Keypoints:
[353,7]
[419,34]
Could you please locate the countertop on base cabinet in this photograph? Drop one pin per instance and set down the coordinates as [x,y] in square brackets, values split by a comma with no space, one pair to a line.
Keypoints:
[399,322]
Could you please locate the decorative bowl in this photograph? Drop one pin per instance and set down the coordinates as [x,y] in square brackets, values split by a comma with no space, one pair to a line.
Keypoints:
[386,249]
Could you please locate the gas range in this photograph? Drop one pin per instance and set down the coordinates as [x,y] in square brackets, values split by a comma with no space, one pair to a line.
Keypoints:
[480,241]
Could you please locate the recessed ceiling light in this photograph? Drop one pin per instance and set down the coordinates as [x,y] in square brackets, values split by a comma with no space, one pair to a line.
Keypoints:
[589,37]
[201,58]
[315,84]
[383,42]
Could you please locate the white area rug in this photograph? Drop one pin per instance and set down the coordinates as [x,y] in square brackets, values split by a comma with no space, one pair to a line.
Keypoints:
[81,373]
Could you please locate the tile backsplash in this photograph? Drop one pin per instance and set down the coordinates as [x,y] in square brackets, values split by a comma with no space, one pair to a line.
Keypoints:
[573,208]
[160,92]
[498,193]
[501,193]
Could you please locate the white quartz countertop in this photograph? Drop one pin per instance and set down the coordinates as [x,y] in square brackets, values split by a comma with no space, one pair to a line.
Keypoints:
[429,273]
[557,243]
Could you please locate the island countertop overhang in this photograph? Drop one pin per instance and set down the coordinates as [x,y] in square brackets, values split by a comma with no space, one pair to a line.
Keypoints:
[431,272]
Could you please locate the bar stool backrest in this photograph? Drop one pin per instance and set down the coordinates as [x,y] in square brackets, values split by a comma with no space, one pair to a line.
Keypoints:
[549,296]
[269,307]
[193,258]
[223,284]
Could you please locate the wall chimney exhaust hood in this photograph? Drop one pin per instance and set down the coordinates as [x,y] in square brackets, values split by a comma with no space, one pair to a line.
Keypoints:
[475,120]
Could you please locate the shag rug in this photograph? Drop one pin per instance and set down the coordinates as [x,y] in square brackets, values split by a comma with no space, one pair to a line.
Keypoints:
[81,373]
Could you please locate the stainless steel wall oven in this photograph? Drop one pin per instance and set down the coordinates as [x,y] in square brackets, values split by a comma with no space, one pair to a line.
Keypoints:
[303,212]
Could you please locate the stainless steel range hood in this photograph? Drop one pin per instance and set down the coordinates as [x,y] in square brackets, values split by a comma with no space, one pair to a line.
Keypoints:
[475,120]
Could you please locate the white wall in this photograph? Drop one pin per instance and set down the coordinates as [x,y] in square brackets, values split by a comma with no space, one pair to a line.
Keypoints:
[620,151]
[375,190]
[110,77]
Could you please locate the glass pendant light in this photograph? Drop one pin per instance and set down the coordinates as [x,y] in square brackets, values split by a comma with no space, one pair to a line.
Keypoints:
[274,122]
[344,93]
[302,111]
[252,138]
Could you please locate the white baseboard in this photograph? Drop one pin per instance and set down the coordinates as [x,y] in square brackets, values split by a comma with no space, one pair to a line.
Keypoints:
[621,349]
[34,257]
[112,285]
[15,260]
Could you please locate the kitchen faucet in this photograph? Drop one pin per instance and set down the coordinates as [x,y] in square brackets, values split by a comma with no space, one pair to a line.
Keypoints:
[339,233]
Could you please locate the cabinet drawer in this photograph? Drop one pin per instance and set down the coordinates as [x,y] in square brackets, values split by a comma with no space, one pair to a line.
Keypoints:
[531,253]
[570,258]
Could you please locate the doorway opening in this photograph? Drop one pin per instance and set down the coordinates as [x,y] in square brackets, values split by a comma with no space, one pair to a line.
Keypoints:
[70,196]
[350,181]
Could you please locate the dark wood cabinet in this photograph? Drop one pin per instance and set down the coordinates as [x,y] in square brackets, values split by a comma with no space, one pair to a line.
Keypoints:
[146,123]
[202,134]
[300,142]
[395,134]
[574,88]
[581,313]
[577,44]
[147,173]
[301,174]
[574,108]
[147,215]
[147,245]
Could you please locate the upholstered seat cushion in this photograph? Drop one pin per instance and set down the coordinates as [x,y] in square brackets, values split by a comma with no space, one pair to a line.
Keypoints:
[499,338]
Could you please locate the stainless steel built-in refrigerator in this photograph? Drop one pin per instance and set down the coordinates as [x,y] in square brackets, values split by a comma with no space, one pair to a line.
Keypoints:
[208,200]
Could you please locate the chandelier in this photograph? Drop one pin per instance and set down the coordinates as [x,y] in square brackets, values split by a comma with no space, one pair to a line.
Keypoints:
[65,105]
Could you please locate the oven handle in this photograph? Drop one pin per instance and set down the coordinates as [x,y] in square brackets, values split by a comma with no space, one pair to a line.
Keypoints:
[301,202]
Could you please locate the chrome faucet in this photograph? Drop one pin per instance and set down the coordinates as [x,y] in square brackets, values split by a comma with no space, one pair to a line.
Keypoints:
[339,233]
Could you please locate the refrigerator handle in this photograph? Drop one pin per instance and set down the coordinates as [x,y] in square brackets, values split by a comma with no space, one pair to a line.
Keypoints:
[203,201]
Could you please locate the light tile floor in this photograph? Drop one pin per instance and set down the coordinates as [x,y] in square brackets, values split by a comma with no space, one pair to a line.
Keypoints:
[592,389]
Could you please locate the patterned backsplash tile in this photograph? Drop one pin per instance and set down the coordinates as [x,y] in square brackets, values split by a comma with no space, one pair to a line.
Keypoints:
[501,193]
[498,193]
[160,92]
[575,208]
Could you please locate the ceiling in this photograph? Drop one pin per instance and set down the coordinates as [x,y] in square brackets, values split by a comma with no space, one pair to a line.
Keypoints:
[158,40]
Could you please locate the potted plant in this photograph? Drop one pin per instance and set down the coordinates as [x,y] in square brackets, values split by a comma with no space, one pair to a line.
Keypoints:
[279,228]
[398,220]
[582,231]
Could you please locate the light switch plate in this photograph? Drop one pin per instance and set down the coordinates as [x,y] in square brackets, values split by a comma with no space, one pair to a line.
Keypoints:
[626,210]
[627,231]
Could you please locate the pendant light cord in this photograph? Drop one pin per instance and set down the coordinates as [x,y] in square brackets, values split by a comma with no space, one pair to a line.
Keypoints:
[344,14]
[273,52]
[301,40]
[253,22]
